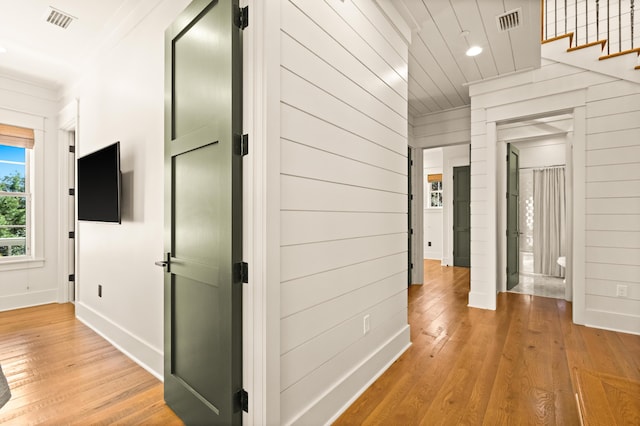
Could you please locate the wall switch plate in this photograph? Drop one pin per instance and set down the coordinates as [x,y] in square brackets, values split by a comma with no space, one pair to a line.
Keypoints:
[621,290]
[366,324]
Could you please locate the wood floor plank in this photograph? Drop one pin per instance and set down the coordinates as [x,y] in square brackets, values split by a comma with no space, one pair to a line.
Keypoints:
[61,372]
[564,405]
[509,366]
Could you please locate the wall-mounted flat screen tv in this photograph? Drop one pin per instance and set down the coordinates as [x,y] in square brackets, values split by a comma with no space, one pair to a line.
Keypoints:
[100,185]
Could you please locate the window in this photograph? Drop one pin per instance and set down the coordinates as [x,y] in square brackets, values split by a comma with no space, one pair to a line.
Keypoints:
[16,145]
[434,183]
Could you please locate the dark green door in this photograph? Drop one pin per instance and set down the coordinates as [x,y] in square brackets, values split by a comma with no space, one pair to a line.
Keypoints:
[513,231]
[203,215]
[462,216]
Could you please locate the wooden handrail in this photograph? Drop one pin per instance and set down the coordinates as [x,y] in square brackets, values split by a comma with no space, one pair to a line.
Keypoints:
[624,52]
[549,40]
[583,46]
[614,17]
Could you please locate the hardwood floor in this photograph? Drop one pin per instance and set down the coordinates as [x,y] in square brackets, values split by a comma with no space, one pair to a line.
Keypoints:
[61,372]
[520,364]
[516,365]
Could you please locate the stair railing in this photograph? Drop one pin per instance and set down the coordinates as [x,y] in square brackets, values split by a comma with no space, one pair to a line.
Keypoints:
[585,18]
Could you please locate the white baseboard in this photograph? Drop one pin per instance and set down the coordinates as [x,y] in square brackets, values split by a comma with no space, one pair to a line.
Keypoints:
[141,352]
[354,383]
[482,300]
[612,321]
[25,300]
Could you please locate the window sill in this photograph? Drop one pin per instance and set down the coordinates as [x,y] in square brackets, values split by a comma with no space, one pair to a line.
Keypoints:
[24,263]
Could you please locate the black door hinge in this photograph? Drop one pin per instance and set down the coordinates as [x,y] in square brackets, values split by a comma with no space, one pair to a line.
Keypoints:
[411,231]
[72,277]
[242,145]
[242,21]
[242,397]
[242,272]
[72,234]
[72,191]
[72,149]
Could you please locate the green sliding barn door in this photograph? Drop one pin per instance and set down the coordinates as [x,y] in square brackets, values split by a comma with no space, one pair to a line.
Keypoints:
[203,215]
[462,216]
[513,231]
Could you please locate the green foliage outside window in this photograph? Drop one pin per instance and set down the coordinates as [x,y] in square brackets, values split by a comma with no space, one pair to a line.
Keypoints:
[13,212]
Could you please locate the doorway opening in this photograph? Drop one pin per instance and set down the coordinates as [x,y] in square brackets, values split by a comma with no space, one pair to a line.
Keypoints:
[536,208]
[446,237]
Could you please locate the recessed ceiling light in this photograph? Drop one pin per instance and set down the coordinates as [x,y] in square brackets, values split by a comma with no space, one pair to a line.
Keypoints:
[474,51]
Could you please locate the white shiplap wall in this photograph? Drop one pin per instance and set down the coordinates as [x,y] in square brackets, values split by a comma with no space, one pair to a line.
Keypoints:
[344,183]
[450,127]
[606,198]
[612,205]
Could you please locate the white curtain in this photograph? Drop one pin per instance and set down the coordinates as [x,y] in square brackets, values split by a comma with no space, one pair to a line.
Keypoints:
[549,213]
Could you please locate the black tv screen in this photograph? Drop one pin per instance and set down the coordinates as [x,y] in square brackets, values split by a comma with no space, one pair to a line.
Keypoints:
[99,185]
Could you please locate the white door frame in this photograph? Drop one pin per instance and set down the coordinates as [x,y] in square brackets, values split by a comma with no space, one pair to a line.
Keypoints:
[67,128]
[261,222]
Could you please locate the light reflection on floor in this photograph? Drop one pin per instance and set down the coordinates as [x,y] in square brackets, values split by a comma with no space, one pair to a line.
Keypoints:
[536,284]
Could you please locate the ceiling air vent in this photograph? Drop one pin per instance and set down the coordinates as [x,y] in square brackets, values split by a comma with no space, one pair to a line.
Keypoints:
[509,20]
[59,18]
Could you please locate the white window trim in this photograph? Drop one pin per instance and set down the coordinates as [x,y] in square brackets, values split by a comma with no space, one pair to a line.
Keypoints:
[36,177]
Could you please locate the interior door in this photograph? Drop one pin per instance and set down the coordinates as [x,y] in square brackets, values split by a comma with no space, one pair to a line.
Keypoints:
[203,215]
[513,231]
[462,216]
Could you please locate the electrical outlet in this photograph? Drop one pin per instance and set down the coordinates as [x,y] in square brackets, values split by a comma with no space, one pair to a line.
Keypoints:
[429,244]
[99,290]
[621,290]
[366,324]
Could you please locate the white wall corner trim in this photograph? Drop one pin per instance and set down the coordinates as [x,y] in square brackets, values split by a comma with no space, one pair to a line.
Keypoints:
[578,268]
[148,357]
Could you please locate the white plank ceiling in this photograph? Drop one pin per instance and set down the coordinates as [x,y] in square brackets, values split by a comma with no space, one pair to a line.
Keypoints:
[439,69]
